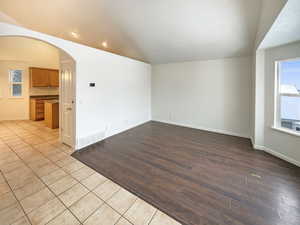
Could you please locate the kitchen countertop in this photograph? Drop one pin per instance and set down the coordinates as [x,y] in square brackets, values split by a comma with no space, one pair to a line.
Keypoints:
[51,101]
[44,96]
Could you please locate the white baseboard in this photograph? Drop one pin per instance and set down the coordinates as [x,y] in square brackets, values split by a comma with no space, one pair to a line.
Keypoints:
[128,128]
[80,145]
[281,156]
[219,131]
[257,147]
[275,153]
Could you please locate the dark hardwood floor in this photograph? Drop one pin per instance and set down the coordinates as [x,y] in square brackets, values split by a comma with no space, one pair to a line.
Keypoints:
[198,177]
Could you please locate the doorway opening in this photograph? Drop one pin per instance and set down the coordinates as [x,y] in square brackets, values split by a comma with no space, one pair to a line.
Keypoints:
[37,88]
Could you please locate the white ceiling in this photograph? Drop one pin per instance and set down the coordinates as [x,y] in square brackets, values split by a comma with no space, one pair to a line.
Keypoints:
[286,28]
[155,31]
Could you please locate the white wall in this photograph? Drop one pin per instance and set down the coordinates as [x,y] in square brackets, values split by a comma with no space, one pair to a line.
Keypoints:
[22,53]
[270,10]
[28,50]
[121,98]
[13,108]
[258,90]
[212,95]
[286,145]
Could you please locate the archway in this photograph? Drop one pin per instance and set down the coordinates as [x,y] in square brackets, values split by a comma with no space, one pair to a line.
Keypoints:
[67,71]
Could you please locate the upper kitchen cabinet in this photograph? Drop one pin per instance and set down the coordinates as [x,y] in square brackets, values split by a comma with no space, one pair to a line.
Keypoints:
[54,78]
[41,77]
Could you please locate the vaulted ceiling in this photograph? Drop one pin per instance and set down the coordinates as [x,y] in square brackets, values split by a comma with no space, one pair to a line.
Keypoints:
[155,31]
[286,28]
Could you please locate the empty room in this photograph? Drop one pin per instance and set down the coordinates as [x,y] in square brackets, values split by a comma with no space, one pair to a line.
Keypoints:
[140,112]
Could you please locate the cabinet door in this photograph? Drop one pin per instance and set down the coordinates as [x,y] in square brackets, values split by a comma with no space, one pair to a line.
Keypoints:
[32,109]
[39,77]
[54,78]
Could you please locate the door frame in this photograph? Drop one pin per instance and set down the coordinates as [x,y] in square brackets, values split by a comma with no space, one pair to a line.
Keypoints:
[61,61]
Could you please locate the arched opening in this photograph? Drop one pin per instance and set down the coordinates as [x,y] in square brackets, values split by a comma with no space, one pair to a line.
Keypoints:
[38,84]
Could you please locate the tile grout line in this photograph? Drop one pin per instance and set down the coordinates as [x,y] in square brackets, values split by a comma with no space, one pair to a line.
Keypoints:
[90,191]
[122,216]
[150,221]
[104,202]
[46,187]
[66,208]
[57,196]
[68,174]
[128,191]
[18,202]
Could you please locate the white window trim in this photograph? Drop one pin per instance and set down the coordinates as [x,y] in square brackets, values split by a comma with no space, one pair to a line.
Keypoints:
[277,118]
[287,131]
[11,84]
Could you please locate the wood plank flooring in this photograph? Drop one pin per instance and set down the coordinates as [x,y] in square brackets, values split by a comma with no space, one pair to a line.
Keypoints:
[199,177]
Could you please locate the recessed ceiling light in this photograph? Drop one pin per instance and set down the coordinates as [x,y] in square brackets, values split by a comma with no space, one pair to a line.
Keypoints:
[74,34]
[104,44]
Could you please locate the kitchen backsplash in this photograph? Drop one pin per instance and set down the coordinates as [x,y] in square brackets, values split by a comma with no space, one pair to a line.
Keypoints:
[44,91]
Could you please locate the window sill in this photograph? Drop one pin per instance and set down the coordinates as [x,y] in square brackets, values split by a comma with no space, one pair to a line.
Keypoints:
[21,97]
[286,131]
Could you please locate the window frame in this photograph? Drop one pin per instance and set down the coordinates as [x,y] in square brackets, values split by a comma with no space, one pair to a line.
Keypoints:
[277,99]
[11,83]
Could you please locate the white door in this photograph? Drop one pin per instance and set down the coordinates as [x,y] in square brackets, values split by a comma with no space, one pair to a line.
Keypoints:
[67,102]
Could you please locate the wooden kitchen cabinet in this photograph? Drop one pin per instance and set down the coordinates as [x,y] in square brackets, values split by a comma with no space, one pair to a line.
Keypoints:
[37,109]
[54,78]
[37,106]
[41,77]
[52,113]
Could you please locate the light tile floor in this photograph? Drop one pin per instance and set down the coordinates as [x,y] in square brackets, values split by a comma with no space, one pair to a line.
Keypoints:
[40,183]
